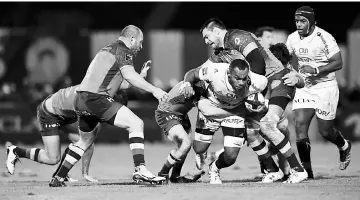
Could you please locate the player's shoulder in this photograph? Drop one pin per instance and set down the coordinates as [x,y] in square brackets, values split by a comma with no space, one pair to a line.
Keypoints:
[116,48]
[237,34]
[293,36]
[321,32]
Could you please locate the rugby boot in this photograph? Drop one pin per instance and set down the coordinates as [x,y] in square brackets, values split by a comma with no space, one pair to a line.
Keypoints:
[345,157]
[57,182]
[296,176]
[214,174]
[272,177]
[141,174]
[166,176]
[11,160]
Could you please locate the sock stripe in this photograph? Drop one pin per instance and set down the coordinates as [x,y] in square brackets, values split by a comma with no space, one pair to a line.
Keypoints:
[285,149]
[136,134]
[137,146]
[74,155]
[76,149]
[136,140]
[36,156]
[283,143]
[171,159]
[71,159]
[260,146]
[32,153]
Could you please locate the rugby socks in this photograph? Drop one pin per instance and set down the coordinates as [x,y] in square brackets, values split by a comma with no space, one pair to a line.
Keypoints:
[285,149]
[136,140]
[73,155]
[32,153]
[222,162]
[61,161]
[170,162]
[337,139]
[176,170]
[304,149]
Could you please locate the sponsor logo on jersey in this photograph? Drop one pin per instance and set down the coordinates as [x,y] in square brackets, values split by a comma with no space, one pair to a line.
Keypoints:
[304,101]
[128,57]
[303,50]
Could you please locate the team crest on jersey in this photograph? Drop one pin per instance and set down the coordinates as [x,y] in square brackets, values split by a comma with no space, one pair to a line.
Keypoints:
[128,57]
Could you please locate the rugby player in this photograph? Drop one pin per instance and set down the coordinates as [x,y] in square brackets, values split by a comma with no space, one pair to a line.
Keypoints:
[228,87]
[55,114]
[318,57]
[94,103]
[229,45]
[172,118]
[265,35]
[266,39]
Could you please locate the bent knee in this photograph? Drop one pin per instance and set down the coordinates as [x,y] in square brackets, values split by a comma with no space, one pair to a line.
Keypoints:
[54,160]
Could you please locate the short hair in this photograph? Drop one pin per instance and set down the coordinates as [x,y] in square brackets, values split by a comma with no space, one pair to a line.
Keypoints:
[212,23]
[281,52]
[260,31]
[239,63]
[130,31]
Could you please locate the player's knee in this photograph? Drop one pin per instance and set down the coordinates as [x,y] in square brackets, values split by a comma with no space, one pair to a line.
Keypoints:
[53,160]
[230,157]
[200,147]
[136,124]
[268,124]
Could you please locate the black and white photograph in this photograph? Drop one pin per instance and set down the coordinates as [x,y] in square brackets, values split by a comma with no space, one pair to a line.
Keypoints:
[180,100]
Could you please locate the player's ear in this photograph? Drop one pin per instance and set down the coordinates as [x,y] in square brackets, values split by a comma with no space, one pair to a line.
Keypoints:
[132,40]
[216,30]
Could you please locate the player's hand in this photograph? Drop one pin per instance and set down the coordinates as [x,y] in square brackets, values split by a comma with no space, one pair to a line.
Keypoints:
[307,69]
[160,94]
[145,68]
[187,90]
[291,78]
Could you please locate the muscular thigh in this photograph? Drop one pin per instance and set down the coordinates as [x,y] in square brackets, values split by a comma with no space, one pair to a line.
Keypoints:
[167,120]
[101,107]
[125,118]
[49,124]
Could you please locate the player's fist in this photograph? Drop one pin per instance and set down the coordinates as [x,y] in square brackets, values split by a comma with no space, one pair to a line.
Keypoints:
[307,69]
[187,90]
[291,78]
[160,94]
[145,68]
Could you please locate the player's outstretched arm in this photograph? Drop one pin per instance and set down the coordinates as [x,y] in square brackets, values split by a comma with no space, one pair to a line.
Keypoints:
[138,81]
[146,66]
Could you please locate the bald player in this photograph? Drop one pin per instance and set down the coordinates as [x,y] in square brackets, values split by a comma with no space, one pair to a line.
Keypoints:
[94,103]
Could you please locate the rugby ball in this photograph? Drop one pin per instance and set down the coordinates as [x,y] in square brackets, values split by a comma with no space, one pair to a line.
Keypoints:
[253,101]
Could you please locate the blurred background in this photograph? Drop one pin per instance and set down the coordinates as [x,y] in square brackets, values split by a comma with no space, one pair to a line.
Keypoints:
[46,46]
